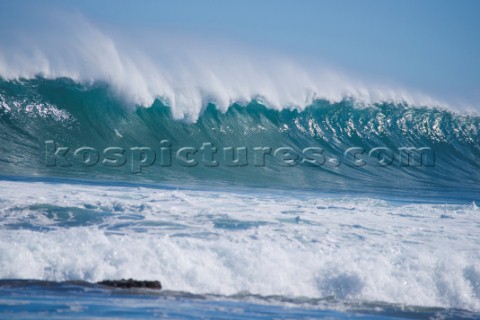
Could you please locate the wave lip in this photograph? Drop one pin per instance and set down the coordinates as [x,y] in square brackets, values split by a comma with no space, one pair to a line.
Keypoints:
[184,74]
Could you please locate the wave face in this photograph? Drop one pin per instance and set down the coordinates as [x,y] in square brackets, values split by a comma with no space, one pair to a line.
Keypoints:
[39,116]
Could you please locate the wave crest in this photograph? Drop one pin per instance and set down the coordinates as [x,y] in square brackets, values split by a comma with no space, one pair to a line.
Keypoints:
[184,73]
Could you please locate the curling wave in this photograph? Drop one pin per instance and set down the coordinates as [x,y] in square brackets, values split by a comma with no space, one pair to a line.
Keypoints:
[76,115]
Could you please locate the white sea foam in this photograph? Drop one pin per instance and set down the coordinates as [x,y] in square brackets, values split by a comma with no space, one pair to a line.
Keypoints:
[289,244]
[187,74]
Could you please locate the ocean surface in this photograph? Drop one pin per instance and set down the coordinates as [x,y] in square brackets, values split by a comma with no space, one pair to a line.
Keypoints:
[341,209]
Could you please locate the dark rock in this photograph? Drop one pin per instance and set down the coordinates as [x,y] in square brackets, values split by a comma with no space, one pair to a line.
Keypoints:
[130,283]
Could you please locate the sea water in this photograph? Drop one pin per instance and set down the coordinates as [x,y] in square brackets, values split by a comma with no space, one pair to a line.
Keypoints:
[91,190]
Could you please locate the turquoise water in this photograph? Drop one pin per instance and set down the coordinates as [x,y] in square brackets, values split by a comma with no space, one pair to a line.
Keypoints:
[68,114]
[328,232]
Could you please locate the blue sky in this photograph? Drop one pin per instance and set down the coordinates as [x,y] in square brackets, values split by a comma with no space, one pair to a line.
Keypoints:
[432,46]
